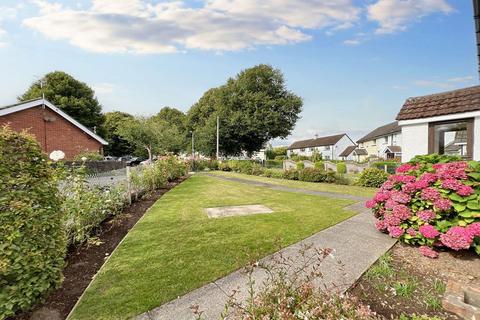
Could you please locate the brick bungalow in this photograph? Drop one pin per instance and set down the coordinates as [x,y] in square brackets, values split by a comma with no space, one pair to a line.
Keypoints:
[444,123]
[53,128]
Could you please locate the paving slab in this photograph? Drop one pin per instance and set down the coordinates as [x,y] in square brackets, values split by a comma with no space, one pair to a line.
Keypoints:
[233,211]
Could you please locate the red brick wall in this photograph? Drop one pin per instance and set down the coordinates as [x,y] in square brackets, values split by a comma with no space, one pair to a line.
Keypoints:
[56,133]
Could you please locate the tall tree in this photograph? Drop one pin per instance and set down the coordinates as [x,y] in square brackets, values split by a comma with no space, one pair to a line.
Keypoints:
[117,146]
[74,97]
[177,120]
[254,107]
[155,136]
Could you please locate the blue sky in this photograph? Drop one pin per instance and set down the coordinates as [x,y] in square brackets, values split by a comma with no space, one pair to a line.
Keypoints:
[353,62]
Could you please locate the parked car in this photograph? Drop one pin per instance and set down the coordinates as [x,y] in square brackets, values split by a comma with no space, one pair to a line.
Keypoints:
[135,161]
[110,158]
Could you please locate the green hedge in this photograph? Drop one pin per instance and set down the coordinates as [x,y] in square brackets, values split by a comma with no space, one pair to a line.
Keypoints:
[32,241]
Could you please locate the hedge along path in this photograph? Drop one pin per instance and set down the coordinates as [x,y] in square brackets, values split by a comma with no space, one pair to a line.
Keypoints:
[356,246]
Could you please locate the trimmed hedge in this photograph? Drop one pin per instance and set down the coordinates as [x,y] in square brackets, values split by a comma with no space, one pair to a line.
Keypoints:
[32,241]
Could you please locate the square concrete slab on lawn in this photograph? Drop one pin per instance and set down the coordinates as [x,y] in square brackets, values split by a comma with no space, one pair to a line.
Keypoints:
[232,211]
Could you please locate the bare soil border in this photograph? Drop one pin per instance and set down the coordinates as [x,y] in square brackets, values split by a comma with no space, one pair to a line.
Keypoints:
[83,262]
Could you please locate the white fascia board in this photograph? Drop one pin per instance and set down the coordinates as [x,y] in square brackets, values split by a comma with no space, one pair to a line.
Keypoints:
[447,117]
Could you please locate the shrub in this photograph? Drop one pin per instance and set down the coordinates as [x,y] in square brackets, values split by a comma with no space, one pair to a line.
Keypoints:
[85,207]
[273,173]
[274,163]
[256,170]
[312,175]
[372,177]
[224,166]
[289,291]
[391,166]
[341,168]
[290,174]
[88,156]
[300,165]
[281,158]
[319,165]
[201,165]
[32,242]
[434,158]
[432,205]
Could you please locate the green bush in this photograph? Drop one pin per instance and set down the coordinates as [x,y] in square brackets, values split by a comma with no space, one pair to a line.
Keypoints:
[256,170]
[280,158]
[32,242]
[274,163]
[89,156]
[341,168]
[273,173]
[202,165]
[434,158]
[224,166]
[372,177]
[312,175]
[391,166]
[85,207]
[319,165]
[290,174]
[300,165]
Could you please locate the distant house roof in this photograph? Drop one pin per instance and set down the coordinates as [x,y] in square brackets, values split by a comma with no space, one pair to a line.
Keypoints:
[387,129]
[318,142]
[451,102]
[394,149]
[39,102]
[350,149]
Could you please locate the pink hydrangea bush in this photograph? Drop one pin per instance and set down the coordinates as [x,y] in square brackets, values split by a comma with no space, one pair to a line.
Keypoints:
[431,205]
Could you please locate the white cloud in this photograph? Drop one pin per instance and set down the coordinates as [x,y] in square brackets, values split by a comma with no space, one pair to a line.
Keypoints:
[140,26]
[395,15]
[445,84]
[6,13]
[352,42]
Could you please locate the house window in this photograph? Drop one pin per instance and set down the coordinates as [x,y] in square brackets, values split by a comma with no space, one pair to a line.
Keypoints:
[327,147]
[302,150]
[327,157]
[451,138]
[385,140]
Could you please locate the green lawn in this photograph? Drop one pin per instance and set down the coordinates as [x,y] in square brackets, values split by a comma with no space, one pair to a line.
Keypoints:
[328,187]
[175,248]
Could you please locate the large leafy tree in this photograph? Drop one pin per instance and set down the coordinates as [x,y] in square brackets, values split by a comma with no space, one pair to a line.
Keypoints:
[177,120]
[117,146]
[253,108]
[74,97]
[155,136]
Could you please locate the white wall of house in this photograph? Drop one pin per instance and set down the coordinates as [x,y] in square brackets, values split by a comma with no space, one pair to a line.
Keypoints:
[376,146]
[340,146]
[415,134]
[328,152]
[414,140]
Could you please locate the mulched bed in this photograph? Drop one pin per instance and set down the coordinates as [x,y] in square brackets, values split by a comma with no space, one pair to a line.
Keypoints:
[83,262]
[424,276]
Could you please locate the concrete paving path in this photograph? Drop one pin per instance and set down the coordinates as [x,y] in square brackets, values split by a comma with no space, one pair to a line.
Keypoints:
[356,246]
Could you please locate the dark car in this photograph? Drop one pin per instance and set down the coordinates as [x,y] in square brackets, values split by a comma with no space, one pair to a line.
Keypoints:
[135,161]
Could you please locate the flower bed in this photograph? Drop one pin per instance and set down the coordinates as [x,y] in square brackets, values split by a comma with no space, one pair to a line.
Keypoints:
[431,205]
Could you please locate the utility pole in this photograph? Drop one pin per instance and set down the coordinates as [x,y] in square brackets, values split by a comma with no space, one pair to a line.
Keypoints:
[193,145]
[476,16]
[218,137]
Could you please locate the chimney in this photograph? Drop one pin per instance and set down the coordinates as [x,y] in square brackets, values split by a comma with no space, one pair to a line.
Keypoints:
[476,15]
